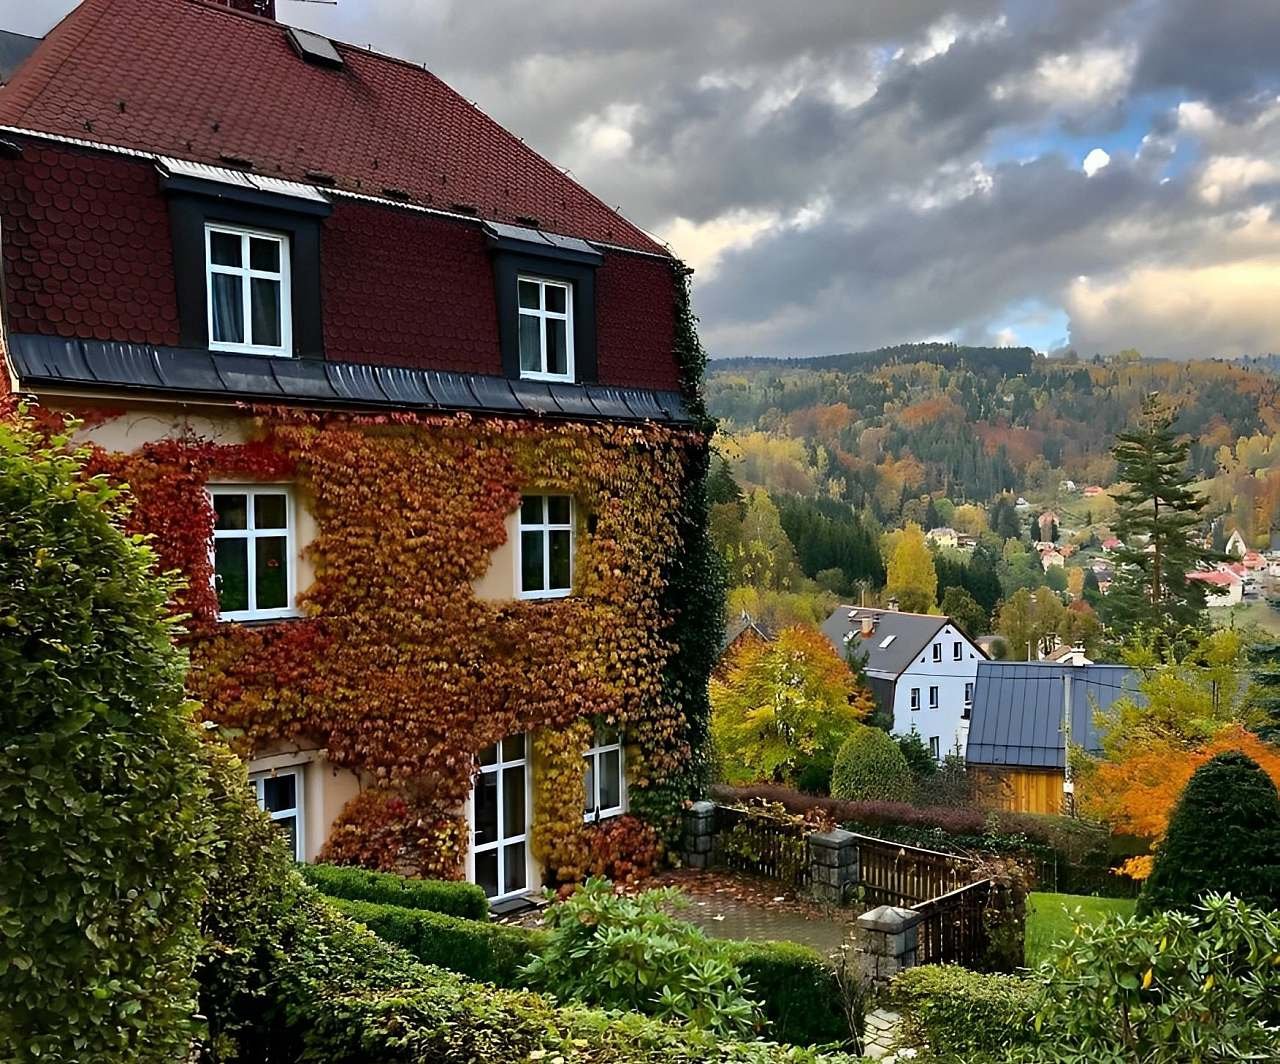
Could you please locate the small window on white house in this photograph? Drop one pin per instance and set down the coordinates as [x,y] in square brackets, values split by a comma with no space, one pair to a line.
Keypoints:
[604,785]
[933,698]
[887,641]
[957,651]
[935,747]
[546,329]
[247,276]
[280,795]
[915,698]
[968,701]
[546,546]
[253,552]
[937,651]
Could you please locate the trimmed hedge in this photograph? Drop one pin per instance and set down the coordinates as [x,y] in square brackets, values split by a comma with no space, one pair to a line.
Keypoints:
[491,953]
[870,766]
[796,989]
[953,1010]
[433,895]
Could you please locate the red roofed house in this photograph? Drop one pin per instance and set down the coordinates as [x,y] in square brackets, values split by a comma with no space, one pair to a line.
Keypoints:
[1253,561]
[1225,587]
[414,412]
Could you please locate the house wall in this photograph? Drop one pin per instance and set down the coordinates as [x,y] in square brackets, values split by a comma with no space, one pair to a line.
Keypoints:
[326,788]
[947,721]
[88,253]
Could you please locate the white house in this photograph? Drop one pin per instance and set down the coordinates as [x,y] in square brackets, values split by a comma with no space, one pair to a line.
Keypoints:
[943,537]
[1236,544]
[920,668]
[1225,587]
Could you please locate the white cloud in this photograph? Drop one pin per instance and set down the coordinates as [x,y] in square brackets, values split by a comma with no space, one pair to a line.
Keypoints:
[1073,81]
[1224,177]
[702,244]
[1093,162]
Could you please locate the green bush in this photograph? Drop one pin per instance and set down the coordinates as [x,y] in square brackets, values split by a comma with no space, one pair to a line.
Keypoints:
[104,828]
[1223,837]
[433,895]
[489,952]
[969,1014]
[629,952]
[870,767]
[797,991]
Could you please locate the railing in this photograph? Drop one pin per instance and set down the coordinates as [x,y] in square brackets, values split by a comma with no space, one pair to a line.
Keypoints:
[748,840]
[953,929]
[890,873]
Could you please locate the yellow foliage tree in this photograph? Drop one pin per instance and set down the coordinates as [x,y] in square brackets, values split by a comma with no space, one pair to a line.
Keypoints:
[912,579]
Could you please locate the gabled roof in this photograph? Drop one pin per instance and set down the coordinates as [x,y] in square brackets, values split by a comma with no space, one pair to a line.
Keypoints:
[906,635]
[1019,709]
[201,82]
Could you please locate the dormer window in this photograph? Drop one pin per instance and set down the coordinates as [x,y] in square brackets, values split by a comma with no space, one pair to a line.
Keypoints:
[546,329]
[248,290]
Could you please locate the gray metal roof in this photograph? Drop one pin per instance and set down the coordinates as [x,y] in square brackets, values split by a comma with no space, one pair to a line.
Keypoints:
[1019,708]
[48,361]
[912,632]
[14,50]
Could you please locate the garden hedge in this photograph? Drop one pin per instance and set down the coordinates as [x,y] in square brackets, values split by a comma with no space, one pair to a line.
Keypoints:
[491,953]
[433,895]
[972,1015]
[871,766]
[797,990]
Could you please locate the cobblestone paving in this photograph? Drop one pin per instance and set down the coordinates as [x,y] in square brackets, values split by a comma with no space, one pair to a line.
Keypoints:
[728,917]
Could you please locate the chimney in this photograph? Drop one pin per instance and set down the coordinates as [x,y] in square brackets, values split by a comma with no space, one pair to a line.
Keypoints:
[868,625]
[261,8]
[893,603]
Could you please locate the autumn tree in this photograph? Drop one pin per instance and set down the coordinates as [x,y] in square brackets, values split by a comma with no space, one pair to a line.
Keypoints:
[781,705]
[1158,512]
[965,611]
[1031,623]
[911,578]
[762,555]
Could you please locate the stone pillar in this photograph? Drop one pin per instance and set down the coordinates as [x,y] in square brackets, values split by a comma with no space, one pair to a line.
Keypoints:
[699,834]
[833,865]
[886,939]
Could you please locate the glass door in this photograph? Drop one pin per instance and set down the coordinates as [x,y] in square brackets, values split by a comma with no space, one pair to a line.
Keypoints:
[499,819]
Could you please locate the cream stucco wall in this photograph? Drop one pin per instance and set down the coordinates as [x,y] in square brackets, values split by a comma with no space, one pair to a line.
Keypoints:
[500,581]
[326,788]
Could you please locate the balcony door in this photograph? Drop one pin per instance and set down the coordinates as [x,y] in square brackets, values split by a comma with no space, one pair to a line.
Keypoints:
[500,819]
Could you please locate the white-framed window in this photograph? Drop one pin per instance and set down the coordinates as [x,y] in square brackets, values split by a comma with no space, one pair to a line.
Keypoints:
[546,329]
[253,570]
[915,698]
[933,697]
[247,279]
[546,546]
[279,793]
[604,786]
[499,815]
[937,651]
[968,700]
[935,747]
[957,651]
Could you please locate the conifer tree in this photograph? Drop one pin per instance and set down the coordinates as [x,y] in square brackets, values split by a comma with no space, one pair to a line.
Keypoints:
[1157,517]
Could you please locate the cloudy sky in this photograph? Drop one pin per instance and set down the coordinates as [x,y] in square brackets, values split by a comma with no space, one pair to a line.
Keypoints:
[845,174]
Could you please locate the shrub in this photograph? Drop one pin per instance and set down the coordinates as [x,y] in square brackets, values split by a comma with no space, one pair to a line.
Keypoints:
[918,758]
[814,775]
[630,953]
[1224,836]
[624,849]
[433,895]
[1176,986]
[955,1011]
[870,766]
[796,989]
[489,952]
[104,827]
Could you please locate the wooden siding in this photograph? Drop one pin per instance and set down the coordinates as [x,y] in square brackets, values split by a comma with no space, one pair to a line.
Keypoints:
[1023,790]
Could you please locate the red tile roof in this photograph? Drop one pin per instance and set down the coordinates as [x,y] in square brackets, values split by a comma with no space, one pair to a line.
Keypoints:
[202,82]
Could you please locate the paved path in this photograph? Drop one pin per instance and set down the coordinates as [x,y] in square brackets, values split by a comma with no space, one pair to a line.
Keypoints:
[724,916]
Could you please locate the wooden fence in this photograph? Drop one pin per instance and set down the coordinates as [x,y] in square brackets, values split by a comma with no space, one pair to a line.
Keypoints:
[890,873]
[756,842]
[953,930]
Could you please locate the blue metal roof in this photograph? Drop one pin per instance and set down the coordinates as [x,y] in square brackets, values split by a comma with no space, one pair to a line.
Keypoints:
[1019,709]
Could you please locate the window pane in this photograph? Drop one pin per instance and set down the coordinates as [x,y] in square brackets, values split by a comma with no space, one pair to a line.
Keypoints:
[559,508]
[271,574]
[266,312]
[489,755]
[610,779]
[532,573]
[224,248]
[228,309]
[557,346]
[269,511]
[486,808]
[513,801]
[555,298]
[606,733]
[561,561]
[231,566]
[280,792]
[513,749]
[531,510]
[529,295]
[289,825]
[264,254]
[530,343]
[230,511]
[513,870]
[487,872]
[589,785]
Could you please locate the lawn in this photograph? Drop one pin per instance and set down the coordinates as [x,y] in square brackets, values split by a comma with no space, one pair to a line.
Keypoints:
[1050,918]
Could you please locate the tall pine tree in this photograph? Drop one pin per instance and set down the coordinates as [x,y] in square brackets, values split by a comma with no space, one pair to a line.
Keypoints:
[1158,514]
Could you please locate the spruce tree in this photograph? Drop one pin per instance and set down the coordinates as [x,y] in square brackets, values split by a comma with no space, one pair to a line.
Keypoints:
[1158,513]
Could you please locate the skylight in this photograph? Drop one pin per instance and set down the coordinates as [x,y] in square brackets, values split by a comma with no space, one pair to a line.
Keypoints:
[314,48]
[884,643]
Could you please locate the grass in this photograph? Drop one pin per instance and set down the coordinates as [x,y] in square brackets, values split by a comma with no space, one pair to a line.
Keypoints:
[1051,917]
[1252,611]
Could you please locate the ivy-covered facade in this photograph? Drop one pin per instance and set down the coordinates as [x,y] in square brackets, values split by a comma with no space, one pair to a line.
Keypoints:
[422,432]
